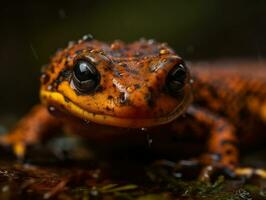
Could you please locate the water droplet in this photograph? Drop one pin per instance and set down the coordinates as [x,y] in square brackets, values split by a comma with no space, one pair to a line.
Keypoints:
[164,51]
[151,41]
[5,188]
[49,87]
[94,192]
[143,129]
[96,174]
[191,81]
[116,45]
[71,43]
[164,44]
[130,89]
[149,140]
[45,78]
[51,109]
[87,37]
[86,121]
[142,40]
[177,175]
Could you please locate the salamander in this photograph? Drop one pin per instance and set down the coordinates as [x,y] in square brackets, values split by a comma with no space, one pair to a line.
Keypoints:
[104,91]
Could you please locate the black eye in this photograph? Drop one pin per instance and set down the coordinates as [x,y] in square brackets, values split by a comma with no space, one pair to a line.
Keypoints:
[85,76]
[176,78]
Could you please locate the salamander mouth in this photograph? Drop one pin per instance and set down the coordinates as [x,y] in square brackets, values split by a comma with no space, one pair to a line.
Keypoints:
[58,100]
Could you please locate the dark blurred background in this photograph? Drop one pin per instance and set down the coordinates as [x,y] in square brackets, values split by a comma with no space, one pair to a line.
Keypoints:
[31,31]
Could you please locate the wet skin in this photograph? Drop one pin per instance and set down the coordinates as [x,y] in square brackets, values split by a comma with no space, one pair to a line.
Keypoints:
[117,87]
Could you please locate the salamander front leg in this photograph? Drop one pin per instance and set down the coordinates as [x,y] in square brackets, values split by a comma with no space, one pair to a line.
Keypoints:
[222,150]
[31,129]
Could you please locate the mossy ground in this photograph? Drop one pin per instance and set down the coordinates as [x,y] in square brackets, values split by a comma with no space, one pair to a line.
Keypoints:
[23,181]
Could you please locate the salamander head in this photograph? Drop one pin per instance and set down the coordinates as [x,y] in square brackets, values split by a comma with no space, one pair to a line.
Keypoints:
[141,84]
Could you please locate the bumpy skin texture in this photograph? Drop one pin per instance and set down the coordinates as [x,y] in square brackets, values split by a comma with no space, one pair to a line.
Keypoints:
[133,94]
[132,89]
[235,90]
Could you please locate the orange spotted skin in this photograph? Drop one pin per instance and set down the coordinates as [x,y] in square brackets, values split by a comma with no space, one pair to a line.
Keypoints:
[132,89]
[132,95]
[235,90]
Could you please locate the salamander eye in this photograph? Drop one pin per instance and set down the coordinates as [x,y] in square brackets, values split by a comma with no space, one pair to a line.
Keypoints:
[85,76]
[176,78]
